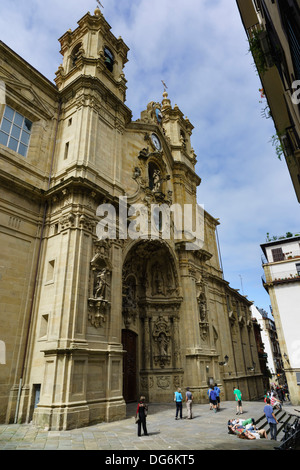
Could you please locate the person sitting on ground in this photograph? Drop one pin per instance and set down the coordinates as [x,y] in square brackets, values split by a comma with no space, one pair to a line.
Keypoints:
[235,425]
[236,428]
[258,434]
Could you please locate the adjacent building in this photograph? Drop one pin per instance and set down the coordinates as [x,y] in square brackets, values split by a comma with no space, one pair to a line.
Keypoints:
[94,311]
[281,265]
[270,350]
[273,31]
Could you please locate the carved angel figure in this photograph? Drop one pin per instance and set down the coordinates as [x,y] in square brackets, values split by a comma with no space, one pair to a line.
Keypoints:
[156,181]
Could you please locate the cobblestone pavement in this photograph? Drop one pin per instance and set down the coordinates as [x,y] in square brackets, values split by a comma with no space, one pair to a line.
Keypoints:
[206,431]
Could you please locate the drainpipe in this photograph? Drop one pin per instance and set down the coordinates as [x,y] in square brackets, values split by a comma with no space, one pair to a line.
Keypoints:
[36,270]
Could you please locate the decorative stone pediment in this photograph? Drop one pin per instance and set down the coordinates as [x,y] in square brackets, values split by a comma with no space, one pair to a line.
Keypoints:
[27,92]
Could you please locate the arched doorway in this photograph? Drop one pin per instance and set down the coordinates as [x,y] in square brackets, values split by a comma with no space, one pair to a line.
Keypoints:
[150,310]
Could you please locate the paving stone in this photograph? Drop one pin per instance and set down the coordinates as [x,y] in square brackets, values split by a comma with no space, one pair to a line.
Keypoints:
[207,431]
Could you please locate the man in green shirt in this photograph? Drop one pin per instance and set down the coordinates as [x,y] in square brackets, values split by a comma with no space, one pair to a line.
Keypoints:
[238,397]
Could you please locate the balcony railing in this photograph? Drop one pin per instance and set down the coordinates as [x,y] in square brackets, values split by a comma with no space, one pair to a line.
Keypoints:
[290,255]
[286,256]
[285,276]
[280,278]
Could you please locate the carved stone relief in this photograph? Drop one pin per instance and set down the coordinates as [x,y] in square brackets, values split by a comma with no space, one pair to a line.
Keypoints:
[203,317]
[162,338]
[151,303]
[100,281]
[129,308]
[150,174]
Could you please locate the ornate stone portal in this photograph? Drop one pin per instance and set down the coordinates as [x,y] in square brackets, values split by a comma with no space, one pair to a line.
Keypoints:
[151,303]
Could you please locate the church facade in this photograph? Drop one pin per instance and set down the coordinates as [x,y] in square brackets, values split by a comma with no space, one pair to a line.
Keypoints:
[99,304]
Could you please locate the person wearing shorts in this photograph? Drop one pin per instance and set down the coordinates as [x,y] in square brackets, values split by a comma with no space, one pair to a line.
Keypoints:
[238,397]
[213,398]
[218,391]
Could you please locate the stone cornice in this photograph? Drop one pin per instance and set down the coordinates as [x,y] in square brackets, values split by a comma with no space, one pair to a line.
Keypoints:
[94,83]
[21,187]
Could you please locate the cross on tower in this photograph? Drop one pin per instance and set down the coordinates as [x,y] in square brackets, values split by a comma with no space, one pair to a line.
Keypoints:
[165,86]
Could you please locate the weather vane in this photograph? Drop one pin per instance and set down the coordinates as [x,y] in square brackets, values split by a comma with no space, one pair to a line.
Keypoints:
[99,3]
[165,86]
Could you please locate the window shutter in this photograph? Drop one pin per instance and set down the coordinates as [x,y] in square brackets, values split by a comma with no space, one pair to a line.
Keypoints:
[277,254]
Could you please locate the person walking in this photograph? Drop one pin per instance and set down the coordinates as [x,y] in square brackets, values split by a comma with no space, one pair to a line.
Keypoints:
[213,398]
[280,394]
[218,391]
[189,402]
[178,401]
[141,413]
[238,397]
[275,403]
[271,418]
[210,404]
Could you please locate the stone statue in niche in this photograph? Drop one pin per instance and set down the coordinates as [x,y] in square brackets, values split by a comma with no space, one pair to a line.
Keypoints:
[156,181]
[162,336]
[99,300]
[203,323]
[162,341]
[129,307]
[129,294]
[100,284]
[157,280]
[202,308]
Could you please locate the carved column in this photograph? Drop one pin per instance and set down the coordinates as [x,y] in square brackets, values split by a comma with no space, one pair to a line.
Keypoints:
[176,343]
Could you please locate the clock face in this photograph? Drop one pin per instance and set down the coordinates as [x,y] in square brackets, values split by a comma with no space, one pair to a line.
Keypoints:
[156,141]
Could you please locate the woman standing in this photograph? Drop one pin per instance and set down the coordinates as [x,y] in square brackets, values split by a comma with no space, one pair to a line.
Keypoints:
[141,413]
[178,401]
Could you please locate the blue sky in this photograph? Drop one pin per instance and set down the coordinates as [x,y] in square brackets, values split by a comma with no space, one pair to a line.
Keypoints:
[199,48]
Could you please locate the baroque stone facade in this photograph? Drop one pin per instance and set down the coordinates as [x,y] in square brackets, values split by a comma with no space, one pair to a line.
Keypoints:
[91,323]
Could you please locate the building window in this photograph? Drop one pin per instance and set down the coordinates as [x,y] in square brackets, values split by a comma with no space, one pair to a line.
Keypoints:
[50,271]
[66,151]
[108,59]
[76,54]
[298,268]
[277,254]
[15,131]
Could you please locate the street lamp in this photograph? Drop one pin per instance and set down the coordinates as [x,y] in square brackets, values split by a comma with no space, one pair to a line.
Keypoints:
[225,362]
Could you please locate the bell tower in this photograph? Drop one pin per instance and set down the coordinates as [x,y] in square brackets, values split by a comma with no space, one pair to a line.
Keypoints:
[92,88]
[92,50]
[83,352]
